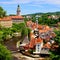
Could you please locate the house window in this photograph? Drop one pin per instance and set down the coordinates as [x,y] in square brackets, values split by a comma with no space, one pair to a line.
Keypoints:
[38,48]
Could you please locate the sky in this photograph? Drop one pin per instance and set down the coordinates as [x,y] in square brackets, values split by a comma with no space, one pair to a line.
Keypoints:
[30,6]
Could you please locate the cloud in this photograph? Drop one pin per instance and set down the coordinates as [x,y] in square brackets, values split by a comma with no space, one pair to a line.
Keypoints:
[55,2]
[15,2]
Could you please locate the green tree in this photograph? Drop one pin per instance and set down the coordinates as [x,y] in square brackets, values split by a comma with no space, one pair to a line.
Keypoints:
[2,12]
[57,38]
[29,30]
[55,55]
[1,36]
[4,53]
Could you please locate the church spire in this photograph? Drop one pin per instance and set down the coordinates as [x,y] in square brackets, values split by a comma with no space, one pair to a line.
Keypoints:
[18,10]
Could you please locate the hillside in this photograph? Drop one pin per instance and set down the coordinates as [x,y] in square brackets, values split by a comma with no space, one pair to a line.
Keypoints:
[49,13]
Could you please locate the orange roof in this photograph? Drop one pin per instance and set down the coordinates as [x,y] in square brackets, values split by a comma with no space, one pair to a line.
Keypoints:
[47,46]
[16,17]
[26,47]
[5,19]
[32,41]
[52,34]
[35,41]
[29,23]
[38,40]
[42,29]
[10,18]
[39,26]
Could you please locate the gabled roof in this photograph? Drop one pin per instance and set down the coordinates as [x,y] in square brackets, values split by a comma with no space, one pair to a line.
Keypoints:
[16,17]
[35,41]
[5,19]
[10,18]
[46,33]
[25,41]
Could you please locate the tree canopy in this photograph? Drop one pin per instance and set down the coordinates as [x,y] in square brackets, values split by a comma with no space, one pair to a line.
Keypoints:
[5,54]
[2,12]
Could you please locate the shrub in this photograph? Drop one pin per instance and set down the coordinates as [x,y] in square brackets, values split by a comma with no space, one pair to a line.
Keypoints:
[4,53]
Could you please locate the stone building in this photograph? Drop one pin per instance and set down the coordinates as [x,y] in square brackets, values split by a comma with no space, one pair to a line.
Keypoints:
[6,22]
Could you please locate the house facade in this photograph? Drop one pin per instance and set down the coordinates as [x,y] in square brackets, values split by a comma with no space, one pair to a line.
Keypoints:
[17,19]
[6,22]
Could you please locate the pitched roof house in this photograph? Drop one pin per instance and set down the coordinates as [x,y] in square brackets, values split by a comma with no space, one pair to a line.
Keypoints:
[39,35]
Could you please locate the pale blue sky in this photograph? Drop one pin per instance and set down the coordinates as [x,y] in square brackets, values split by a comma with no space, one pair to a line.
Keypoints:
[30,6]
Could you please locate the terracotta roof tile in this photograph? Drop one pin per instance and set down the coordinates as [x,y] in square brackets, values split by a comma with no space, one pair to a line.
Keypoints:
[39,26]
[34,41]
[16,17]
[26,47]
[47,46]
[5,19]
[10,18]
[42,29]
[38,40]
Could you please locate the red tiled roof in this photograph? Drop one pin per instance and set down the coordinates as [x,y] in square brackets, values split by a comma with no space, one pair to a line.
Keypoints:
[10,18]
[42,29]
[5,19]
[35,41]
[26,47]
[16,17]
[31,45]
[38,40]
[39,26]
[47,46]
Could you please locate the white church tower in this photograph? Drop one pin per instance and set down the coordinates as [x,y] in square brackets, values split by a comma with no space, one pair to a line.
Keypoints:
[18,10]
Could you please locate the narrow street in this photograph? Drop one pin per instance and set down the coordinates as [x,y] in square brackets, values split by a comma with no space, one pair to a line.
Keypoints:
[19,56]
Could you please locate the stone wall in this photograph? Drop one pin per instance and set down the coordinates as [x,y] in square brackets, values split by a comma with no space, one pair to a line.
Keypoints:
[6,23]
